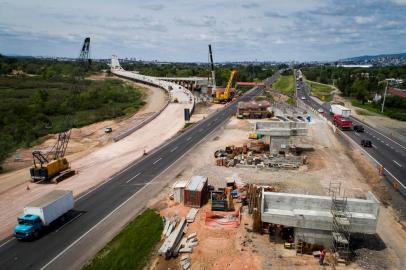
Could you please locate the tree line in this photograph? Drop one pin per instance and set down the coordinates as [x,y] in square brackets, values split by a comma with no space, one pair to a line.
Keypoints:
[362,84]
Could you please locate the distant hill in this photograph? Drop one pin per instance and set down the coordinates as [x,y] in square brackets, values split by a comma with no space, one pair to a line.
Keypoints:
[367,58]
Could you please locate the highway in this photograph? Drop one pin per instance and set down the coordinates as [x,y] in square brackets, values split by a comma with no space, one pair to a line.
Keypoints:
[93,207]
[386,151]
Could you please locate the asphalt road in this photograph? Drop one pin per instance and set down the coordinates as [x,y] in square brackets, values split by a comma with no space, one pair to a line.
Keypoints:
[91,208]
[386,151]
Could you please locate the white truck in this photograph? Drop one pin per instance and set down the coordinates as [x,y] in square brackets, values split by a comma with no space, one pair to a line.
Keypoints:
[42,212]
[337,109]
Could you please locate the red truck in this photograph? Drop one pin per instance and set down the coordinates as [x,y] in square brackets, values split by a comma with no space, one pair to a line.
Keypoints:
[342,122]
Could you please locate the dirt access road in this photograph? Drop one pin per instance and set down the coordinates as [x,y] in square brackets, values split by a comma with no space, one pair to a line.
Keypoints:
[83,140]
[96,166]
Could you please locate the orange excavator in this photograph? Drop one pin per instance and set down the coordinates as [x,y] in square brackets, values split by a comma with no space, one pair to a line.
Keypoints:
[223,97]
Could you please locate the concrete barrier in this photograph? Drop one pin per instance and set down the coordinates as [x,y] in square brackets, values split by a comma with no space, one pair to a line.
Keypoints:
[173,90]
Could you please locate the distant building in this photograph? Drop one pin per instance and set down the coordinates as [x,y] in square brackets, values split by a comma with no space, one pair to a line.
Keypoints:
[354,66]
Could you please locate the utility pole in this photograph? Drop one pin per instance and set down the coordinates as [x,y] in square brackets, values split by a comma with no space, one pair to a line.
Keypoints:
[384,95]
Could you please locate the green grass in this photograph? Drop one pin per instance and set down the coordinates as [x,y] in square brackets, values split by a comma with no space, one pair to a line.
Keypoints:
[285,84]
[187,126]
[367,106]
[130,249]
[321,91]
[362,112]
[395,113]
[33,107]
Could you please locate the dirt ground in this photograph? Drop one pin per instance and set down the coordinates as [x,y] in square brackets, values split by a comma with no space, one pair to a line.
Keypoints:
[94,167]
[83,140]
[333,160]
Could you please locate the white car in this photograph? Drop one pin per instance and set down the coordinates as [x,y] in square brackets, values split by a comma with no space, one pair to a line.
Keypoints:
[303,98]
[320,110]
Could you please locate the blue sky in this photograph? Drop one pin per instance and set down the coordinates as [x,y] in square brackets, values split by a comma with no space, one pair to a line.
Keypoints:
[180,30]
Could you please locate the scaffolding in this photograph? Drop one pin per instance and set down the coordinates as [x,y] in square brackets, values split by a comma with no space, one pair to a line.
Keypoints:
[341,224]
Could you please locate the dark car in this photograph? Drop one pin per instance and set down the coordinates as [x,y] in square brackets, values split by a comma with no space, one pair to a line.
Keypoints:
[366,143]
[358,128]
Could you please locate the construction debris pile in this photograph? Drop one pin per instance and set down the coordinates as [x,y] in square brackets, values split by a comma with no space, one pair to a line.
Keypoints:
[176,241]
[255,155]
[254,110]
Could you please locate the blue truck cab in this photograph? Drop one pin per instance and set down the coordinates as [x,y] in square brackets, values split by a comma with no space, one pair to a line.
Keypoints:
[28,226]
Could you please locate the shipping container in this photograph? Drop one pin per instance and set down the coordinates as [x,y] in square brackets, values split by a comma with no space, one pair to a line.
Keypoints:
[195,194]
[179,190]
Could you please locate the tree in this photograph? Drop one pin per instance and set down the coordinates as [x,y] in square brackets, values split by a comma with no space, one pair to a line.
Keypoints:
[360,88]
[40,97]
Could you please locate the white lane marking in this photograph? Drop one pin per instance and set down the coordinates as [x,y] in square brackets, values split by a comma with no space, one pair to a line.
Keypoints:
[69,222]
[189,138]
[356,134]
[156,161]
[208,124]
[92,228]
[374,147]
[92,189]
[386,170]
[381,134]
[8,241]
[132,178]
[397,163]
[121,205]
[174,149]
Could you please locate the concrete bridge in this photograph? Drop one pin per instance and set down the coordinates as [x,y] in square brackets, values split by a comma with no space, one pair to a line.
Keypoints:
[191,83]
[177,92]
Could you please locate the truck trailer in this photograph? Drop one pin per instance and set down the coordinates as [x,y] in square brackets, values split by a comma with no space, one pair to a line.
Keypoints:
[337,109]
[40,213]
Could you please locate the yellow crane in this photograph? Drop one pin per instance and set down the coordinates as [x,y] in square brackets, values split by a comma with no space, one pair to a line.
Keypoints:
[226,95]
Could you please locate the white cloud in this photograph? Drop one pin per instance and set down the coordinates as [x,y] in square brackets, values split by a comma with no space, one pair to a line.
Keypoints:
[364,19]
[399,2]
[238,30]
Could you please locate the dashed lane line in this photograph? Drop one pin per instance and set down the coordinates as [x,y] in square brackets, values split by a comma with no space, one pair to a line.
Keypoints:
[156,161]
[132,178]
[397,163]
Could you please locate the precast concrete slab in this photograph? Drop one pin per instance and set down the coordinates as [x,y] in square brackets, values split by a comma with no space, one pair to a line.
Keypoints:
[313,212]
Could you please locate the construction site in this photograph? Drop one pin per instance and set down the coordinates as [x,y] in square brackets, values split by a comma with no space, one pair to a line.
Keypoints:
[273,187]
[248,213]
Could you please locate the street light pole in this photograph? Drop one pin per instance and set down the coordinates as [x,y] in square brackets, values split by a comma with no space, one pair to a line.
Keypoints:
[384,96]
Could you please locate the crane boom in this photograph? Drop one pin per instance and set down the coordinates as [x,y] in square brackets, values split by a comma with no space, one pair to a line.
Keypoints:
[213,73]
[226,94]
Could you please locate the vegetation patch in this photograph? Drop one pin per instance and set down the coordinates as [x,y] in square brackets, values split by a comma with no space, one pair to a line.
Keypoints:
[362,85]
[32,107]
[363,112]
[187,126]
[321,91]
[285,84]
[394,107]
[130,249]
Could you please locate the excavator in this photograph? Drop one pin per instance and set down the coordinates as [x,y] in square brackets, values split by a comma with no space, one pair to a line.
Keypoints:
[52,165]
[223,97]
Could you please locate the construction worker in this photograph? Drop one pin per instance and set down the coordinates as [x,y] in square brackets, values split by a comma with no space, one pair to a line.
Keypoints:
[322,255]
